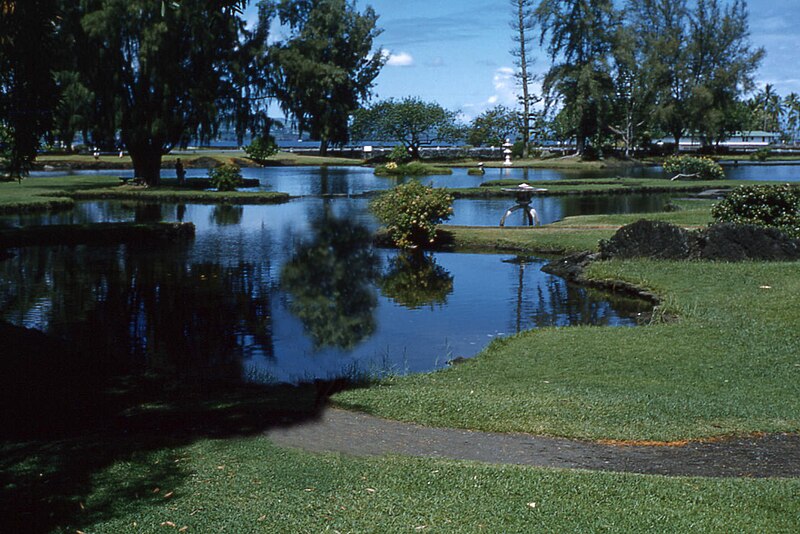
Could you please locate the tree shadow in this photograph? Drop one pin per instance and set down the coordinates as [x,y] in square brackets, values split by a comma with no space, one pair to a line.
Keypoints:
[127,353]
[63,424]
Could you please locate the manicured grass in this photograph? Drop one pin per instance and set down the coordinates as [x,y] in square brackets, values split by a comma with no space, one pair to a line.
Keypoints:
[291,158]
[195,158]
[543,239]
[47,193]
[177,194]
[248,485]
[61,192]
[729,365]
[570,235]
[588,186]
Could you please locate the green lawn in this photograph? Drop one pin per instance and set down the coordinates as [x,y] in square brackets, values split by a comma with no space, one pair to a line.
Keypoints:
[61,192]
[248,485]
[587,186]
[729,365]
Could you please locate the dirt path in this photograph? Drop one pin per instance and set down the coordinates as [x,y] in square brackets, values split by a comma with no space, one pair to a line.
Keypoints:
[363,435]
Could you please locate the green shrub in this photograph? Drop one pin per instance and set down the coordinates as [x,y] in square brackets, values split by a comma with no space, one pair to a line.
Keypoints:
[399,155]
[225,177]
[760,155]
[772,206]
[700,168]
[411,212]
[414,168]
[261,148]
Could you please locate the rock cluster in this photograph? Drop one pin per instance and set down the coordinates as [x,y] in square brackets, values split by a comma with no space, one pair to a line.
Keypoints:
[721,242]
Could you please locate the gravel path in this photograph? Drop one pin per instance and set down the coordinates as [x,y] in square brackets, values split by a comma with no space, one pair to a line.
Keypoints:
[364,435]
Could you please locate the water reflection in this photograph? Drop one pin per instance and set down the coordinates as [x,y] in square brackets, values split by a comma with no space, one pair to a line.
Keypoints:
[143,309]
[414,280]
[288,293]
[330,278]
[225,215]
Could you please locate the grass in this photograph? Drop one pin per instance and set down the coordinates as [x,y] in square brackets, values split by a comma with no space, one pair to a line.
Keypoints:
[573,234]
[248,485]
[191,159]
[565,163]
[178,194]
[61,192]
[728,366]
[603,186]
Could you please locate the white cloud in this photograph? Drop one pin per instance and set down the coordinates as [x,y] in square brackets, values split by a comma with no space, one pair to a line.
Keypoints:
[505,87]
[398,59]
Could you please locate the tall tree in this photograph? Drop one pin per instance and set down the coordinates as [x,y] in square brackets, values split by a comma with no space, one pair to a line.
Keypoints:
[768,108]
[722,68]
[792,105]
[523,24]
[580,36]
[27,87]
[634,95]
[494,126]
[165,71]
[660,27]
[327,67]
[409,121]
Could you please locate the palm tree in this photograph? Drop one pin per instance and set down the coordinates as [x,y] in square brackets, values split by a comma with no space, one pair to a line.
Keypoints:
[770,107]
[791,104]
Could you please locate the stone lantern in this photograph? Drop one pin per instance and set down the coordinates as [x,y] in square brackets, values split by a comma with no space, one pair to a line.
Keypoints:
[507,153]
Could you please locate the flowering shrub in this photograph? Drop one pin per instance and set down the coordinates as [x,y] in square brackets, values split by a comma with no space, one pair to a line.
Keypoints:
[773,206]
[225,177]
[701,168]
[411,212]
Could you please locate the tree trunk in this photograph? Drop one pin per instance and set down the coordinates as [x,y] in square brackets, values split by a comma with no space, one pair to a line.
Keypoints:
[146,164]
[323,147]
[415,152]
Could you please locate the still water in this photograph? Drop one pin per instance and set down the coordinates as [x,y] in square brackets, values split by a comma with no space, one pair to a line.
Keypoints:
[316,181]
[283,293]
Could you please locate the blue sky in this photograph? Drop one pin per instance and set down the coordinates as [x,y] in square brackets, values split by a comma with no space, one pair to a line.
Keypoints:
[457,52]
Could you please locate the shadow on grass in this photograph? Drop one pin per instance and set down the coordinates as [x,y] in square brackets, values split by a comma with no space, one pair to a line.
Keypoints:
[66,417]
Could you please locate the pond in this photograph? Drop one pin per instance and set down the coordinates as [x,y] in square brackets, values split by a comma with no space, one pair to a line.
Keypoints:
[283,293]
[316,181]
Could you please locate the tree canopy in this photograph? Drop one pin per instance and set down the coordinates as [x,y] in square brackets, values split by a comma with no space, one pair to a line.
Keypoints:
[410,121]
[327,66]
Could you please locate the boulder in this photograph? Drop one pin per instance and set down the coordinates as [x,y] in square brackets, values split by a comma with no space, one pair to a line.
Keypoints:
[649,239]
[738,242]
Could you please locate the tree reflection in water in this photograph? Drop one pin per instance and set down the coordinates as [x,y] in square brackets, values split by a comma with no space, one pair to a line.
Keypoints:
[151,310]
[330,278]
[414,280]
[227,214]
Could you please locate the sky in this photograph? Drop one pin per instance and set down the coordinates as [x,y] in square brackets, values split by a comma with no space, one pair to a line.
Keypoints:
[457,52]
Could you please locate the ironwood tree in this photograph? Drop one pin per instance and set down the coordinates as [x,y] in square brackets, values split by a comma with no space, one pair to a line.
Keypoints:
[580,38]
[165,71]
[326,68]
[28,93]
[522,25]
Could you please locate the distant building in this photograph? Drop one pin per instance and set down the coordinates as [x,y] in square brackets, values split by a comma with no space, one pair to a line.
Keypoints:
[747,140]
